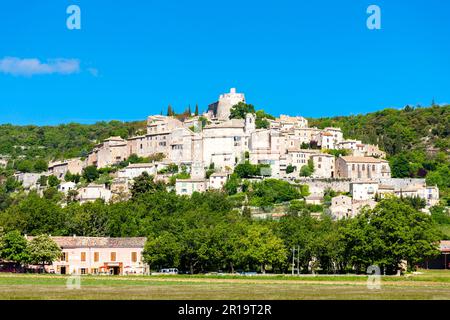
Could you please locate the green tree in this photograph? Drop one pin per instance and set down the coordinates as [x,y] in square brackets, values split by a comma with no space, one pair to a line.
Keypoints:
[69,177]
[90,173]
[392,232]
[24,166]
[232,184]
[13,247]
[43,250]
[196,110]
[40,165]
[145,183]
[170,111]
[263,247]
[88,219]
[53,181]
[34,215]
[308,170]
[162,251]
[271,191]
[12,185]
[290,168]
[43,181]
[240,110]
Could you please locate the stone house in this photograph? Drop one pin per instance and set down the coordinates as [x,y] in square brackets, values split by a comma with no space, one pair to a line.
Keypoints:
[93,192]
[362,168]
[60,168]
[186,187]
[99,255]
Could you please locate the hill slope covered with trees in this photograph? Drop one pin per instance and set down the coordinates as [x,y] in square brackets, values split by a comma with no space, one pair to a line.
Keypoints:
[416,140]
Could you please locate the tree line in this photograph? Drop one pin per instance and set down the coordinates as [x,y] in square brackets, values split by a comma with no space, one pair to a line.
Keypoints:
[211,231]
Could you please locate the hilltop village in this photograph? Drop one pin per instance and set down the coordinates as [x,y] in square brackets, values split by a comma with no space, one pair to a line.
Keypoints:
[202,152]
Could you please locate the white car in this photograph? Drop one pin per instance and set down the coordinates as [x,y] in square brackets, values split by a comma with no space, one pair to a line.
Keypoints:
[169,271]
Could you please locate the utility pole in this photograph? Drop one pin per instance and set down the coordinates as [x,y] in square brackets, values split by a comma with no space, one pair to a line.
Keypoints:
[293,260]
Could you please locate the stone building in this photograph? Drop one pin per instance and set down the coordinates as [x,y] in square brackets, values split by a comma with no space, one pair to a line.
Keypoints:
[186,187]
[93,192]
[221,109]
[111,151]
[217,180]
[99,255]
[324,165]
[364,190]
[362,168]
[60,168]
[225,143]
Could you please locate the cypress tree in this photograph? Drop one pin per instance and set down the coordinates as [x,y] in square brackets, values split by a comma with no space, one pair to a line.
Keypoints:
[196,109]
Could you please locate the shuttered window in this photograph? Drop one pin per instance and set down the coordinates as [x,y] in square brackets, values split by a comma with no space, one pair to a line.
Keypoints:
[113,256]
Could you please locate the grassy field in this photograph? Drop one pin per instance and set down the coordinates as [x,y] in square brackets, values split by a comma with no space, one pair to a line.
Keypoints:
[428,285]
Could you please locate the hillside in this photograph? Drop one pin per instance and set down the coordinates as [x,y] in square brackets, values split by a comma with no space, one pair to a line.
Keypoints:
[62,141]
[416,140]
[396,131]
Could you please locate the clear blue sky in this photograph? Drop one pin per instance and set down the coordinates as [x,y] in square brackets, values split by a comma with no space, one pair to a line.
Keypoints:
[132,58]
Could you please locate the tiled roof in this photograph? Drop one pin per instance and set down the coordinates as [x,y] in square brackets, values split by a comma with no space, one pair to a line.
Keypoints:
[115,139]
[191,180]
[361,159]
[98,242]
[233,123]
[140,165]
[220,174]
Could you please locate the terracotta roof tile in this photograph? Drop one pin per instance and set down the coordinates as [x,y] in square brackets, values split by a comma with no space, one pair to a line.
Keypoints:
[98,242]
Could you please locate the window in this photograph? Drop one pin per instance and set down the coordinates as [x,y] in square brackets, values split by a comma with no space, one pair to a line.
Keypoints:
[65,256]
[373,168]
[83,271]
[94,271]
[113,256]
[96,256]
[83,256]
[134,257]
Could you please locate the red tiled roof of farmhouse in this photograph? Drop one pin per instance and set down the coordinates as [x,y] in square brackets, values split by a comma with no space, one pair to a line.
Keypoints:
[98,242]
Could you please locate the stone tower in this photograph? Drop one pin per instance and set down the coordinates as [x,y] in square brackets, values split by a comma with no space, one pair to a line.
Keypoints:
[226,102]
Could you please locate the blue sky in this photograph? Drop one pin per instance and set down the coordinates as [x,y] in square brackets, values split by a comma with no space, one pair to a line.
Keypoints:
[132,58]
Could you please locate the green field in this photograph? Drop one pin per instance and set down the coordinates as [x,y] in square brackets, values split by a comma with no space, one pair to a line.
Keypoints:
[428,285]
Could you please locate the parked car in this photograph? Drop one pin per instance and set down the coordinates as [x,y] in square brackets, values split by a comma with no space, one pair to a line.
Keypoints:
[169,271]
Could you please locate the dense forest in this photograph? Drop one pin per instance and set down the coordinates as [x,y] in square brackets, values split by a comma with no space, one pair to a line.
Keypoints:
[63,141]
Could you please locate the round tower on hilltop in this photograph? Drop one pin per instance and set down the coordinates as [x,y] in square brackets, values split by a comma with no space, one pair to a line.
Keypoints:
[226,102]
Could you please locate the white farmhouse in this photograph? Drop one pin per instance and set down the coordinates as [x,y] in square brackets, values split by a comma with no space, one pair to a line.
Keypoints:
[93,192]
[186,187]
[217,180]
